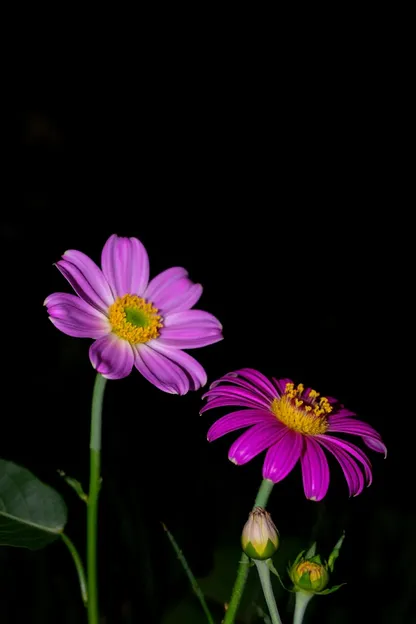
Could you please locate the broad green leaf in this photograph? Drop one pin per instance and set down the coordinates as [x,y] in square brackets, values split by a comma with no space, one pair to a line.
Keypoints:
[32,514]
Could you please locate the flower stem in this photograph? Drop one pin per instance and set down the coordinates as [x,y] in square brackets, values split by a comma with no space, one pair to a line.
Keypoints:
[263,493]
[243,569]
[264,574]
[302,601]
[92,504]
[79,566]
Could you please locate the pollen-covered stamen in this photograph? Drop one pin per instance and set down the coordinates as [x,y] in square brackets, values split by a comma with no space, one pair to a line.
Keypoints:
[134,319]
[301,411]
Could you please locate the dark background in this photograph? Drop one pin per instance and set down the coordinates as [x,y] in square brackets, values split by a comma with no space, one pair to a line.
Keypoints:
[294,218]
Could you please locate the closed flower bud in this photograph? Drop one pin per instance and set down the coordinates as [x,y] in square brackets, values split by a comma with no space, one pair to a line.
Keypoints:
[260,538]
[309,576]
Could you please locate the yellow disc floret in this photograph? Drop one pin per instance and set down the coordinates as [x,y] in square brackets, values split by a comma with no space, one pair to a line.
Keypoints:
[134,319]
[305,413]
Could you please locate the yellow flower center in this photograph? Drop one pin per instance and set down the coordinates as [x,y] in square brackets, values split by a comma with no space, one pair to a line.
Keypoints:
[305,414]
[314,570]
[134,320]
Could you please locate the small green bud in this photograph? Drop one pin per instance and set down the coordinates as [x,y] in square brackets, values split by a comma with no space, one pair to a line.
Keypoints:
[309,576]
[260,538]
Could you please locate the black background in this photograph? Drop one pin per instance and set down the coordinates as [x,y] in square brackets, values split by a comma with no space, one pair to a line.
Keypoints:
[288,203]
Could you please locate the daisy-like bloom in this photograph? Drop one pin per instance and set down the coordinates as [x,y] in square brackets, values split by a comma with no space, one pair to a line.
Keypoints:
[293,423]
[134,321]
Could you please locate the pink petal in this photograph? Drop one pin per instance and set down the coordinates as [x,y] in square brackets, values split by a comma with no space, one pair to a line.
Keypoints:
[236,420]
[112,357]
[86,279]
[283,455]
[172,291]
[160,370]
[190,318]
[75,317]
[190,337]
[191,367]
[315,470]
[252,442]
[125,265]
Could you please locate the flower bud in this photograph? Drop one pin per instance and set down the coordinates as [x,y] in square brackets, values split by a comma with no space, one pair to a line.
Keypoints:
[260,538]
[309,576]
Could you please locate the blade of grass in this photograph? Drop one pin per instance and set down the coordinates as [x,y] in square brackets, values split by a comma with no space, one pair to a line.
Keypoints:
[192,579]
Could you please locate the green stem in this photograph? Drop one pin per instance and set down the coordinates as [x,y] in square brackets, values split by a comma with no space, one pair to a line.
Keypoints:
[264,574]
[243,569]
[80,568]
[302,601]
[92,504]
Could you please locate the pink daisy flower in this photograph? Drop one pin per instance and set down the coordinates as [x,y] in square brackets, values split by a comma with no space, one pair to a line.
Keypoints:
[134,321]
[293,423]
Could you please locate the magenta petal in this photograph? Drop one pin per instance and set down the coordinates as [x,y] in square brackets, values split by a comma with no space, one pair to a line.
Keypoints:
[315,470]
[112,357]
[342,413]
[192,368]
[86,279]
[160,370]
[236,381]
[189,337]
[281,384]
[357,427]
[125,265]
[74,317]
[224,402]
[234,421]
[228,392]
[331,442]
[252,379]
[375,444]
[352,473]
[252,442]
[283,455]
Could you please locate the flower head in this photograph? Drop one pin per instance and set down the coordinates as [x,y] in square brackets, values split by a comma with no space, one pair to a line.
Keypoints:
[293,423]
[134,321]
[260,538]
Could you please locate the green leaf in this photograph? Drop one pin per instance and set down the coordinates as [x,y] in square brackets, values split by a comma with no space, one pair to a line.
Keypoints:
[335,553]
[32,514]
[330,590]
[311,552]
[276,573]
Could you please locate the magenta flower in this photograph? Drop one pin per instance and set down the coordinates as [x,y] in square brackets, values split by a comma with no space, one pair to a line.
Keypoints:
[134,321]
[292,423]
